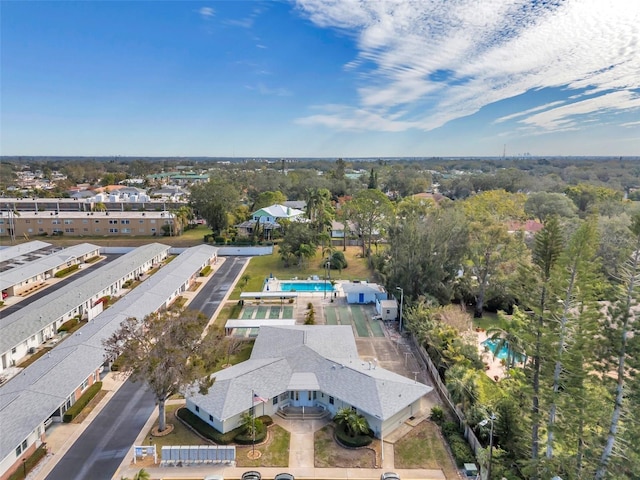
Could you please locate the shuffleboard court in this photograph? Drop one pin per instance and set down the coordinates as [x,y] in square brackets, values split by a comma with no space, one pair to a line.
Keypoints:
[288,312]
[360,320]
[330,315]
[262,312]
[344,316]
[376,327]
[248,312]
[274,312]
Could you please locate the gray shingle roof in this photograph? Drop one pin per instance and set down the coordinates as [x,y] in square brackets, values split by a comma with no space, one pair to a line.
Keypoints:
[320,358]
[33,395]
[29,320]
[10,253]
[44,264]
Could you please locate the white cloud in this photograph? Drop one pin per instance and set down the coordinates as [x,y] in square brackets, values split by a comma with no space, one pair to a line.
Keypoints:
[437,61]
[630,124]
[264,90]
[206,12]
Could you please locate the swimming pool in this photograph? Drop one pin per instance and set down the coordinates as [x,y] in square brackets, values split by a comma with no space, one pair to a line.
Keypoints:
[503,352]
[306,286]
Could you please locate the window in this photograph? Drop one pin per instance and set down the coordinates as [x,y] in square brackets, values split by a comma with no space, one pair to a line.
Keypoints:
[211,418]
[197,408]
[152,221]
[69,230]
[113,222]
[126,230]
[97,230]
[275,400]
[41,230]
[39,221]
[140,221]
[68,222]
[55,222]
[124,222]
[153,230]
[113,230]
[141,230]
[27,221]
[85,221]
[29,230]
[331,401]
[13,350]
[24,445]
[96,221]
[85,384]
[18,450]
[85,229]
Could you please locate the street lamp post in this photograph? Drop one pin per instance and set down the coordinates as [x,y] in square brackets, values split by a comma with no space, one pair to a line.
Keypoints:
[483,423]
[24,467]
[401,305]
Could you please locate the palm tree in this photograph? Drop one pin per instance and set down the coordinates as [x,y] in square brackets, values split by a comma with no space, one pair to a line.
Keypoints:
[141,475]
[462,386]
[354,423]
[509,339]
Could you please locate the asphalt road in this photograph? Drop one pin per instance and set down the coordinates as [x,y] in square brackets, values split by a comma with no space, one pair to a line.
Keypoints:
[62,283]
[101,448]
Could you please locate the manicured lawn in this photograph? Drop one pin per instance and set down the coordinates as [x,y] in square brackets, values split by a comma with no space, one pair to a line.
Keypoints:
[488,320]
[329,454]
[275,453]
[488,390]
[263,266]
[423,447]
[180,435]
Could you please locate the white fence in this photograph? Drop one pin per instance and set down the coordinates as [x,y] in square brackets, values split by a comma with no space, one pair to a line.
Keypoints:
[444,393]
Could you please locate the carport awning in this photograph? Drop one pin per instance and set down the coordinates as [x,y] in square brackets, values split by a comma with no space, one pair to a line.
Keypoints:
[303,381]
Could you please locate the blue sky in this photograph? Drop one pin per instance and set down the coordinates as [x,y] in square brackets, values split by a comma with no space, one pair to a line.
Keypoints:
[320,78]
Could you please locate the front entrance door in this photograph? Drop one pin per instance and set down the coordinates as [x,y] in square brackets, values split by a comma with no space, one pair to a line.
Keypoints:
[303,398]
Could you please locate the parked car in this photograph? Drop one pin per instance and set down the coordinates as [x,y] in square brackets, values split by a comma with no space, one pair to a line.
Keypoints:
[389,476]
[284,476]
[251,475]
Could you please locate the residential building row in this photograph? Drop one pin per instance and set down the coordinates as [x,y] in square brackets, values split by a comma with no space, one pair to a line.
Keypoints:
[98,223]
[43,391]
[29,328]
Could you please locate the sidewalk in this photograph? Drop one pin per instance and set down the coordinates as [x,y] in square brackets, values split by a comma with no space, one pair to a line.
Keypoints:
[61,436]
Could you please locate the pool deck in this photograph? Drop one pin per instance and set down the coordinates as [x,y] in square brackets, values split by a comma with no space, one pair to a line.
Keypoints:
[495,370]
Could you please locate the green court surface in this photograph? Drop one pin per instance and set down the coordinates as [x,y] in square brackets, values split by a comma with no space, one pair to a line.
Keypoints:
[288,312]
[360,320]
[330,314]
[262,312]
[344,316]
[376,327]
[247,312]
[274,312]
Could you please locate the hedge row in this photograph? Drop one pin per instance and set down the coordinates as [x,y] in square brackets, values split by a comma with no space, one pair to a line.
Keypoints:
[82,402]
[66,271]
[205,271]
[207,431]
[352,442]
[459,447]
[92,259]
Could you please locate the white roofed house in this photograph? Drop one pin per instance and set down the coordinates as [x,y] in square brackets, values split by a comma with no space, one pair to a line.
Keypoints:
[267,219]
[308,366]
[363,292]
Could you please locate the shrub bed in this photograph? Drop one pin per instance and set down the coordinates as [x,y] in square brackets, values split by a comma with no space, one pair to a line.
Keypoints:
[460,449]
[66,271]
[204,429]
[246,439]
[31,462]
[82,402]
[68,325]
[205,271]
[352,442]
[92,259]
